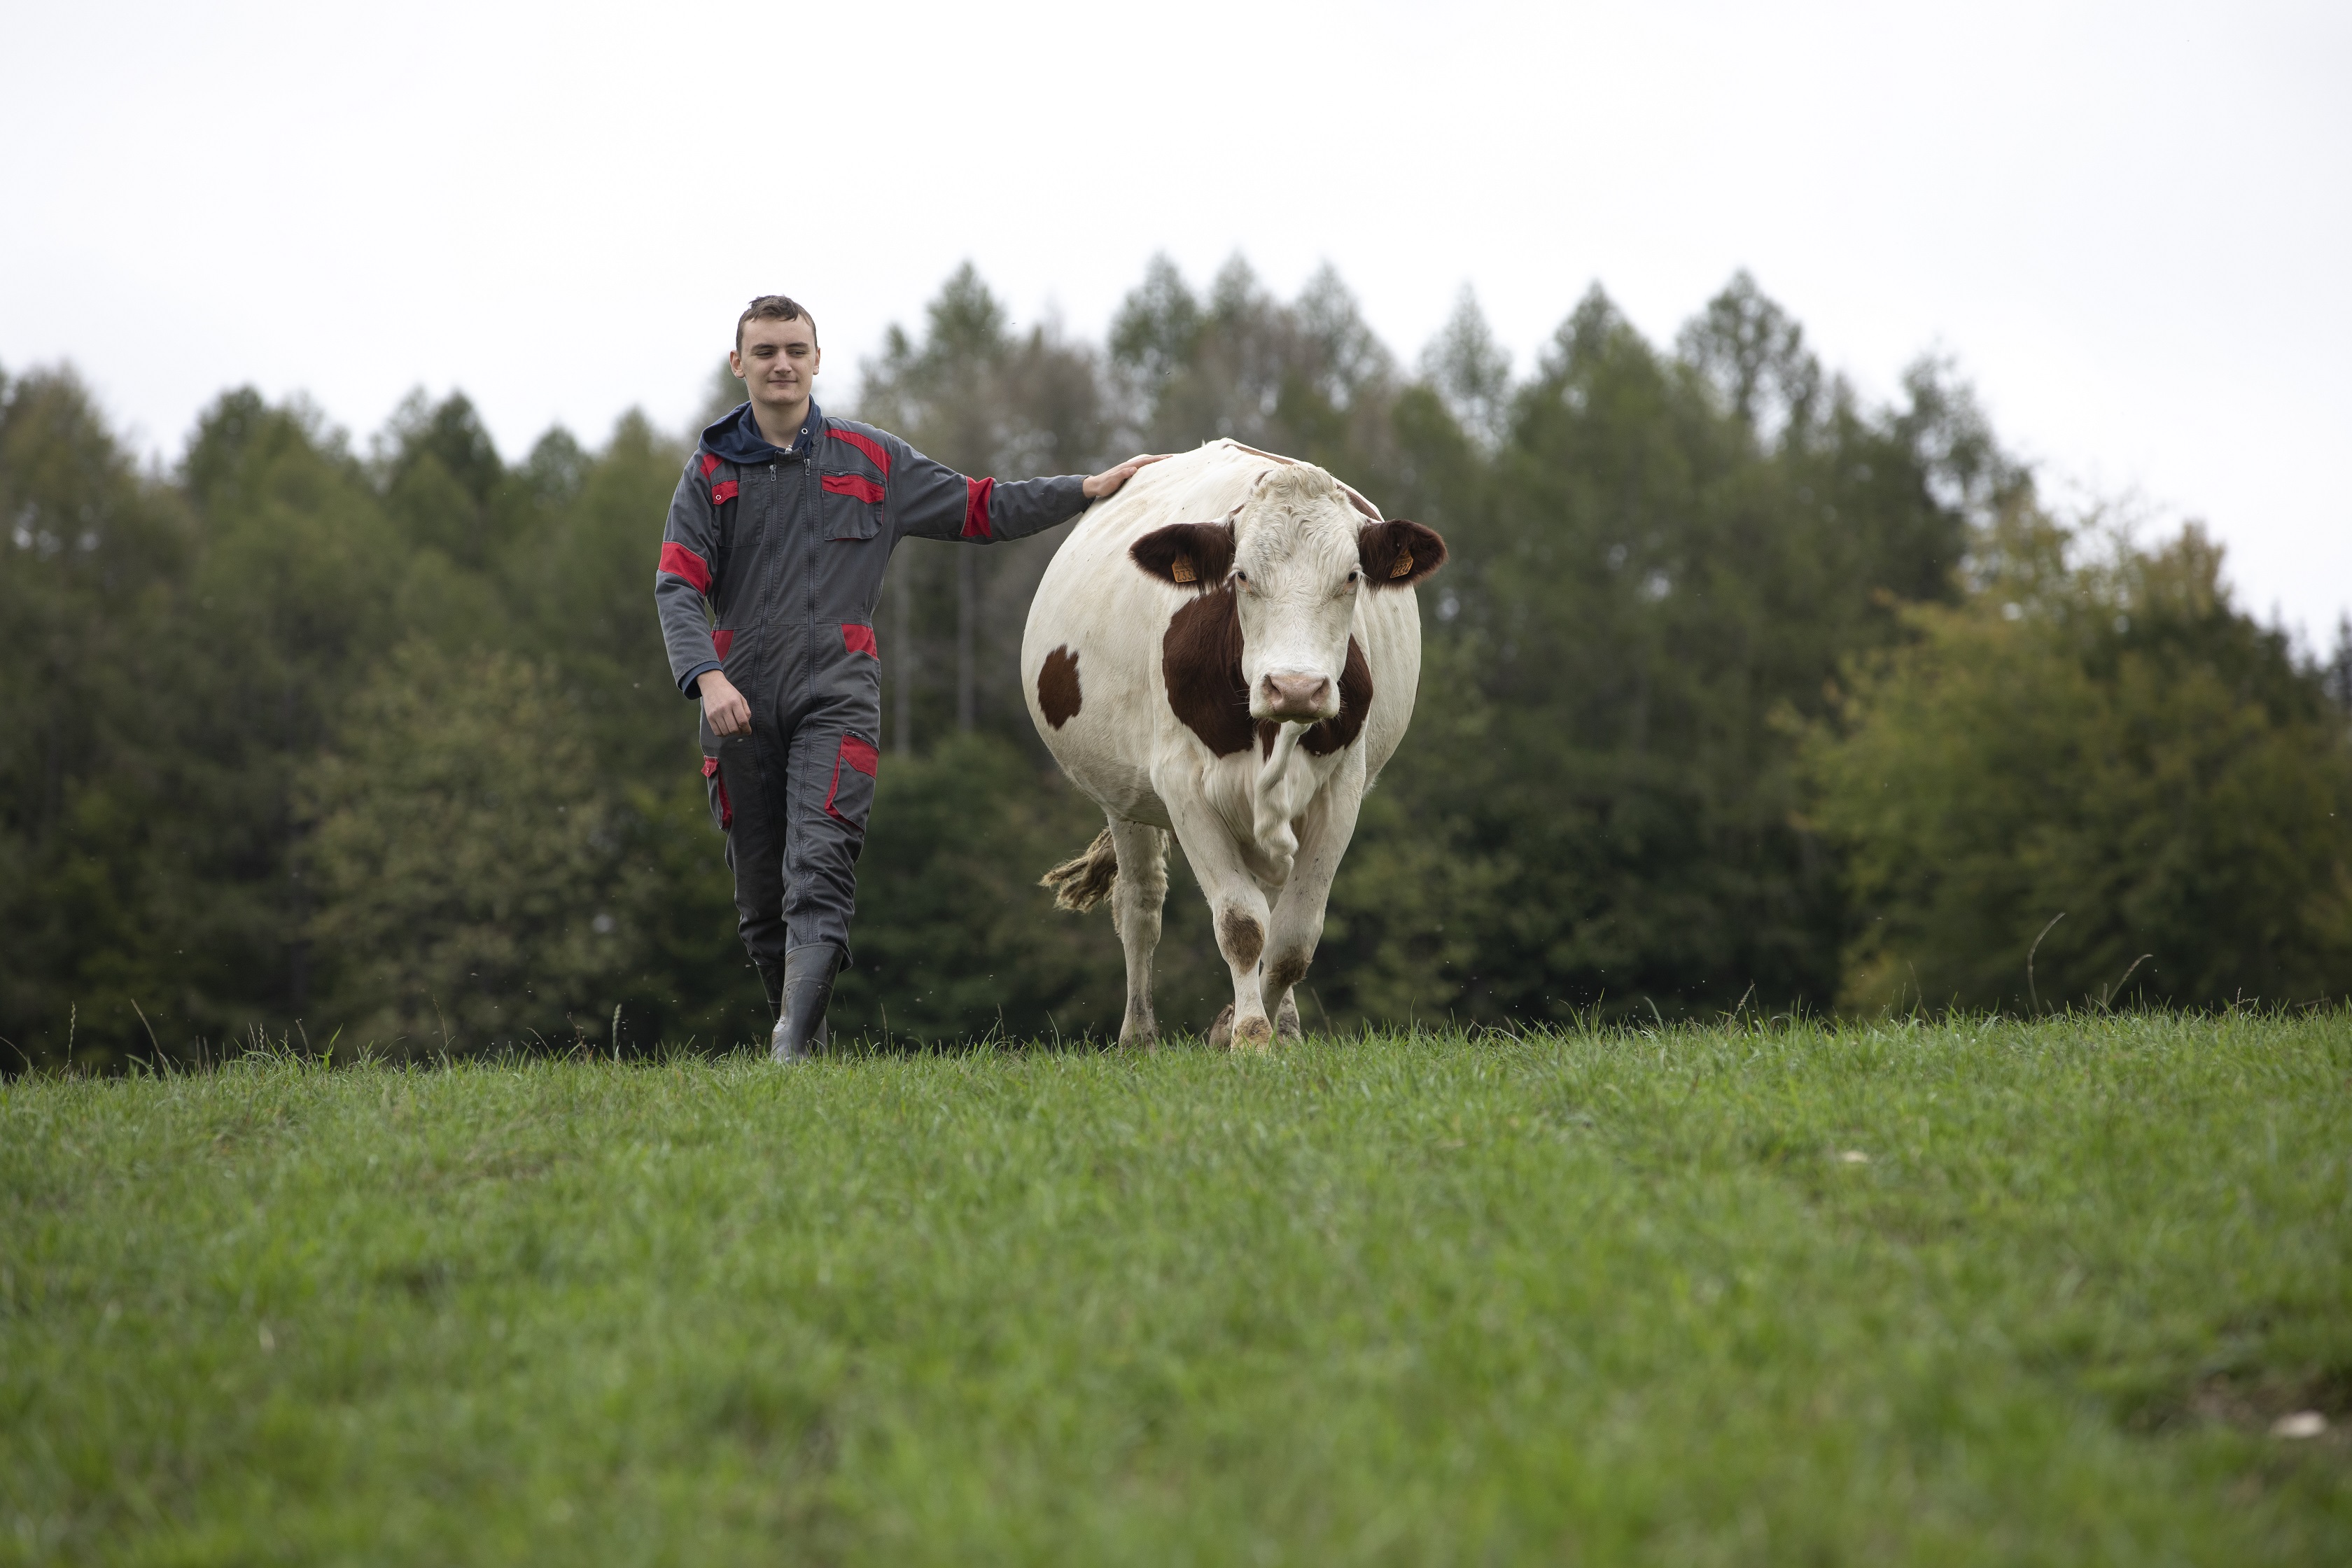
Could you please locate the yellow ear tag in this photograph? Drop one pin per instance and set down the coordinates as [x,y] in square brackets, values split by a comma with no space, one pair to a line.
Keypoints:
[1181,570]
[1403,566]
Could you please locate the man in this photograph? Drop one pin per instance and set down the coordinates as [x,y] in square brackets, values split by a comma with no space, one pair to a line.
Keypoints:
[780,530]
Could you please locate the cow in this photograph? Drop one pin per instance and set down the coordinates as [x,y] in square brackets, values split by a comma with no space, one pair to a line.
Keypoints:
[1226,650]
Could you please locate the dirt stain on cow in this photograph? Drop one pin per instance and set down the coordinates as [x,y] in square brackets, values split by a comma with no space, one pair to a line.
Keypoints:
[1058,697]
[1283,973]
[1241,936]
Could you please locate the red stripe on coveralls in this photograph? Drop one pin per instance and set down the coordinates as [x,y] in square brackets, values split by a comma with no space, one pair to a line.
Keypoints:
[709,462]
[721,494]
[679,561]
[721,640]
[726,806]
[867,445]
[856,485]
[860,640]
[975,508]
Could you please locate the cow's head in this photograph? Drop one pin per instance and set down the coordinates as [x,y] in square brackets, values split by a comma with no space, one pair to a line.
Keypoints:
[1296,556]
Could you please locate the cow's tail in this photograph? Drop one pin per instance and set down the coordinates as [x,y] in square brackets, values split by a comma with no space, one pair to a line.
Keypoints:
[1083,883]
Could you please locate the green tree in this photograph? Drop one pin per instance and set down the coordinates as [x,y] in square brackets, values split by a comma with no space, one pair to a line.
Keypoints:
[1309,379]
[2111,744]
[210,629]
[576,579]
[1470,372]
[469,858]
[444,480]
[90,579]
[578,572]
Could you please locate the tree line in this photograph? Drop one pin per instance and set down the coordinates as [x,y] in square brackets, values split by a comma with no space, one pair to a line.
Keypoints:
[1740,692]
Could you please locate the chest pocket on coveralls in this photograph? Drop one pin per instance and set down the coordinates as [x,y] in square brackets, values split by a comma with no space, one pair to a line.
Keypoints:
[852,506]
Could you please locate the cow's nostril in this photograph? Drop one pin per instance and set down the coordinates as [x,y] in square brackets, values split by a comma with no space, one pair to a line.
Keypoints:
[1297,696]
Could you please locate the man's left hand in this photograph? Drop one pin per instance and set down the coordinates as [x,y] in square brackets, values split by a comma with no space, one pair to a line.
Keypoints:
[1100,485]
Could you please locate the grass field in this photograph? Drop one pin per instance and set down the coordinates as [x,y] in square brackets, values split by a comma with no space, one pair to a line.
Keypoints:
[1917,1293]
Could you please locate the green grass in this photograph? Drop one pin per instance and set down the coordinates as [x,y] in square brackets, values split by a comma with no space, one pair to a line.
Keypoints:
[1589,1298]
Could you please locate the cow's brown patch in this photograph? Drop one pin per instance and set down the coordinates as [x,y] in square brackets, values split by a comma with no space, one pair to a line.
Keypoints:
[1241,936]
[1200,665]
[1398,553]
[1058,697]
[1355,702]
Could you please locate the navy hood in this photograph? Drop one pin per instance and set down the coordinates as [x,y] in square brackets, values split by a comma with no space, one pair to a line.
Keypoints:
[735,436]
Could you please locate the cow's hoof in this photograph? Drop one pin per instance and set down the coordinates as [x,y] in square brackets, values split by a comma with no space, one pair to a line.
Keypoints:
[1254,1034]
[1138,1039]
[1286,1023]
[1221,1033]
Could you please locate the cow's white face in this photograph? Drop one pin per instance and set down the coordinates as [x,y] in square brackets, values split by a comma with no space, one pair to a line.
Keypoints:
[1282,576]
[1296,577]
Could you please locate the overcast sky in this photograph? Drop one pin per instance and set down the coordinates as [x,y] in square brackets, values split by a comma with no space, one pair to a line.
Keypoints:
[2131,225]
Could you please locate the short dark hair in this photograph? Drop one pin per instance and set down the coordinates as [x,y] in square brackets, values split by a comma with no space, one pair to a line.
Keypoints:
[772,307]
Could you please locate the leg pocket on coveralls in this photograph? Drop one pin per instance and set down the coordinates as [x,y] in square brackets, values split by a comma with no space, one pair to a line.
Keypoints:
[850,795]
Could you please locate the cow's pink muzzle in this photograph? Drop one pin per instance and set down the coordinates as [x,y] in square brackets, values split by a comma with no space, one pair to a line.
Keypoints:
[1298,699]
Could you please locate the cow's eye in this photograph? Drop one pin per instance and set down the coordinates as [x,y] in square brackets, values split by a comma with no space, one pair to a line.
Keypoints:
[1241,576]
[1353,575]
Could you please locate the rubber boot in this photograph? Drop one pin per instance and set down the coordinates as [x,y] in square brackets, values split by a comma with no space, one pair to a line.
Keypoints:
[808,988]
[771,980]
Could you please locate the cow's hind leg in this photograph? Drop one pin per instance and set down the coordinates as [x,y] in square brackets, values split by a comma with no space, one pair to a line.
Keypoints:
[1136,900]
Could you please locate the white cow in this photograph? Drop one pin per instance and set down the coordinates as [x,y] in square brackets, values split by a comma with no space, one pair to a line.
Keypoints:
[1228,649]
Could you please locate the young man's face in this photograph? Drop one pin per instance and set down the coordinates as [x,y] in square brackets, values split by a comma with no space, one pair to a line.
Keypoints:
[777,362]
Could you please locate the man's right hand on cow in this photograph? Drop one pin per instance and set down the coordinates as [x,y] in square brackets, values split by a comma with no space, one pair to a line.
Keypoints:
[1108,482]
[723,706]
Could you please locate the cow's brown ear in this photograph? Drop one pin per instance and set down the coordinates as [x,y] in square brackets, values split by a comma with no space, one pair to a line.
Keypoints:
[1398,553]
[1189,554]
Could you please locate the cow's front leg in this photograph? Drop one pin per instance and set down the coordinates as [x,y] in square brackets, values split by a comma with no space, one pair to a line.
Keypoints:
[1237,911]
[1325,830]
[1137,900]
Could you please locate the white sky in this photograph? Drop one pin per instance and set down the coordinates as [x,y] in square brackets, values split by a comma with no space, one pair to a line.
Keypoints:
[2131,225]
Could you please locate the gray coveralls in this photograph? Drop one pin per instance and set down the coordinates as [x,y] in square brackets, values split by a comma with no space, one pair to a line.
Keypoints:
[771,568]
